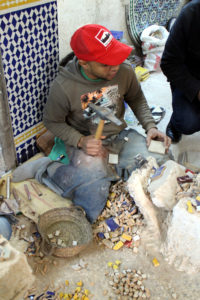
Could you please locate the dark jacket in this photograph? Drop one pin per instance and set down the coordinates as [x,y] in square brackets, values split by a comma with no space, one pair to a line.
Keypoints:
[181,58]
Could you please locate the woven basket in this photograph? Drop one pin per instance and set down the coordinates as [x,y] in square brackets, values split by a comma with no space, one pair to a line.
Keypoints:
[72,225]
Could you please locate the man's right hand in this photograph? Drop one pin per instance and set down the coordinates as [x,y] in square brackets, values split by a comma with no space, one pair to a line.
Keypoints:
[91,146]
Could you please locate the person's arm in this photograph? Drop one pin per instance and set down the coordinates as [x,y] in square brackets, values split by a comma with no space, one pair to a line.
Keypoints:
[138,103]
[179,49]
[55,112]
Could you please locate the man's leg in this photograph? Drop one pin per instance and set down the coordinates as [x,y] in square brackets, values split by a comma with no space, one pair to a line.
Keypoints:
[84,181]
[5,227]
[185,117]
[136,144]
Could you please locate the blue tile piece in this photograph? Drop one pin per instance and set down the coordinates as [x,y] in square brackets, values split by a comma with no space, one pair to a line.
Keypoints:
[111,224]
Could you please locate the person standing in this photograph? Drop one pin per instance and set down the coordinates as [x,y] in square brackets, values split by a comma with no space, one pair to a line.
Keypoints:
[181,65]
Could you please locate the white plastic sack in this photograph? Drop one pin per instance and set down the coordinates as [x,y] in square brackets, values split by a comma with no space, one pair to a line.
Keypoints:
[153,40]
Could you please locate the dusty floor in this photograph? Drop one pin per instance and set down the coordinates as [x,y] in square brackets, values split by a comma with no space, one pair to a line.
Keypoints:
[164,282]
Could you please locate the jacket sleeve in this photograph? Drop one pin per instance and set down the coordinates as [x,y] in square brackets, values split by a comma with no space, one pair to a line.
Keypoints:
[175,55]
[54,118]
[138,103]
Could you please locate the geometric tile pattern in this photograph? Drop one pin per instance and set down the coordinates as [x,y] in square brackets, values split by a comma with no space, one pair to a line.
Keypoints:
[5,4]
[143,13]
[30,56]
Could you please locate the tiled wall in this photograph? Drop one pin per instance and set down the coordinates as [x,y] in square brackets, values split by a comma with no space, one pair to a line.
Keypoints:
[143,13]
[30,55]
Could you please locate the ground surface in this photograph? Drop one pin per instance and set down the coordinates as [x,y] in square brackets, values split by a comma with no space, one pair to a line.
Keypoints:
[164,282]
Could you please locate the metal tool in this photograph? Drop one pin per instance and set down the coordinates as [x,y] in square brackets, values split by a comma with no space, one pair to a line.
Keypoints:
[9,205]
[36,189]
[16,196]
[7,200]
[105,114]
[27,191]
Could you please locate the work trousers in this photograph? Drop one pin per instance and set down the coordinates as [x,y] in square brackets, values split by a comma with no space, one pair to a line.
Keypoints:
[86,180]
[5,227]
[186,115]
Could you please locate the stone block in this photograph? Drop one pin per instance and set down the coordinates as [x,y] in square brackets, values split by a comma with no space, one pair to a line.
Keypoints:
[163,189]
[182,244]
[15,273]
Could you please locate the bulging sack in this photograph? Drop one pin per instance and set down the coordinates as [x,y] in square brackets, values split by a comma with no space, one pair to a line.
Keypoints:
[153,40]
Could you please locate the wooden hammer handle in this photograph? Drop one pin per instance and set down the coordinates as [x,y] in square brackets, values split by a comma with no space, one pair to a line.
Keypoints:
[99,130]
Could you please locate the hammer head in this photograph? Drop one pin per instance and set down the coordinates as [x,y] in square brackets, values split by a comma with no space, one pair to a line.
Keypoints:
[105,113]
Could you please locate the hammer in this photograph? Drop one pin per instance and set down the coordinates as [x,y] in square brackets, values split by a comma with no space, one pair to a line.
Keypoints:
[105,114]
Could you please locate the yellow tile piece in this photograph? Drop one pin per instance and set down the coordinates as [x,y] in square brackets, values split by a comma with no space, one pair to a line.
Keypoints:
[141,73]
[75,297]
[86,292]
[198,198]
[118,245]
[78,289]
[61,295]
[80,283]
[66,282]
[155,262]
[115,267]
[189,207]
[108,204]
[112,195]
[126,237]
[118,262]
[110,264]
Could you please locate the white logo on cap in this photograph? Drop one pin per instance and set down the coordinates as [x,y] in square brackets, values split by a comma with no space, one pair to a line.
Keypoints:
[104,37]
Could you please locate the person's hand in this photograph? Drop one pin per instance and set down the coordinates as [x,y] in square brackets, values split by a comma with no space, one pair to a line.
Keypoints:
[155,134]
[92,146]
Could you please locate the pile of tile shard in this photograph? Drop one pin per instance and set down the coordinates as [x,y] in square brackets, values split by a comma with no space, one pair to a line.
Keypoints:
[128,284]
[189,186]
[120,223]
[64,291]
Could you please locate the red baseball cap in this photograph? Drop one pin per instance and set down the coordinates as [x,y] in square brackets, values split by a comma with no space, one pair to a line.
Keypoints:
[94,42]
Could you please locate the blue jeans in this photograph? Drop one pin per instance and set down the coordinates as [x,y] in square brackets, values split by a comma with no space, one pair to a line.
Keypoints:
[5,227]
[86,180]
[186,115]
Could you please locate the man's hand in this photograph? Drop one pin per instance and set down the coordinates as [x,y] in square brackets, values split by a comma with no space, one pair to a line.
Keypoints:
[92,146]
[155,134]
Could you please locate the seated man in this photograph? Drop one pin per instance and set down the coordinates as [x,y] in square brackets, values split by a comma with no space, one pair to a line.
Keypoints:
[95,73]
[180,63]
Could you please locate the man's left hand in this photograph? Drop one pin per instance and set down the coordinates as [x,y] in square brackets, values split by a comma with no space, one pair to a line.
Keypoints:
[155,134]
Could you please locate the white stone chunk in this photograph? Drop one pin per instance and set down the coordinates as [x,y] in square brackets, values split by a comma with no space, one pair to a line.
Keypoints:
[113,159]
[164,188]
[15,273]
[182,245]
[157,147]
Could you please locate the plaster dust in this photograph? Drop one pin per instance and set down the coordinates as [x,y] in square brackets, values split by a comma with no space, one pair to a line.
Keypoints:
[164,282]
